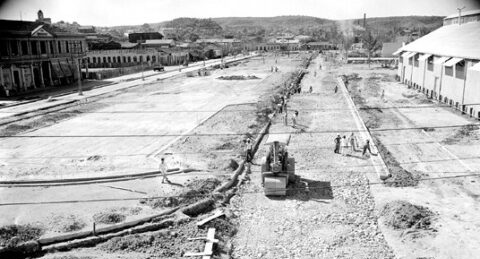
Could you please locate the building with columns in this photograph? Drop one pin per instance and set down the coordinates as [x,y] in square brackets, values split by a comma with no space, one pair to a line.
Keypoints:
[36,55]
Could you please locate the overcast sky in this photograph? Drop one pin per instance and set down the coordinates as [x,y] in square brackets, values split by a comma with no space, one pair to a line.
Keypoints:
[132,12]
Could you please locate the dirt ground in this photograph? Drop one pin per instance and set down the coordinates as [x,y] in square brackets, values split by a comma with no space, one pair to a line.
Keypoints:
[336,217]
[100,139]
[212,154]
[439,144]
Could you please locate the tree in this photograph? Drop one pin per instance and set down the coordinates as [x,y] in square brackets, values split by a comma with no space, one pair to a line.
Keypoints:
[193,37]
[146,27]
[370,43]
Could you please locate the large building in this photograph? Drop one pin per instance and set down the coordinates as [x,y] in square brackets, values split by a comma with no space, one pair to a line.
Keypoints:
[445,64]
[36,54]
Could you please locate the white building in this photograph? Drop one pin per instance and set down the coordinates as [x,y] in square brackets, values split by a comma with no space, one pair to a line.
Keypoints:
[445,64]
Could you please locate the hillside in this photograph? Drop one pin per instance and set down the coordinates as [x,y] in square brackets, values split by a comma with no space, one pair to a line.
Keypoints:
[320,29]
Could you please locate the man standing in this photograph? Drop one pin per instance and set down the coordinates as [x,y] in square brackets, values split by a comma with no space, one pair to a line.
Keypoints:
[337,144]
[336,88]
[248,150]
[163,170]
[353,142]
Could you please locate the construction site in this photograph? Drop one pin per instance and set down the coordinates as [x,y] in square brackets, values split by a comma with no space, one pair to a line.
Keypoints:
[81,179]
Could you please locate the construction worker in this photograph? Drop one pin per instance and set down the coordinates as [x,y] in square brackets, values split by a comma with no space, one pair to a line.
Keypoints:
[163,170]
[248,150]
[337,144]
[353,142]
[367,147]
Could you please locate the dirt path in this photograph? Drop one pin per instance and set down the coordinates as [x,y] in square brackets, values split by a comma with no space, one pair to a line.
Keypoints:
[336,218]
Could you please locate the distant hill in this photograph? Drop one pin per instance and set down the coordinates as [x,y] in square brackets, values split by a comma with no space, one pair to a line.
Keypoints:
[320,29]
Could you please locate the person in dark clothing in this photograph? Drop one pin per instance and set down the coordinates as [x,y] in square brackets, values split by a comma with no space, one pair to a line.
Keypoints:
[336,88]
[367,147]
[337,143]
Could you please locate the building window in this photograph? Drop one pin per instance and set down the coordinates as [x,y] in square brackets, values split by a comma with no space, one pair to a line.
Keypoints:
[3,48]
[104,60]
[460,70]
[14,47]
[43,47]
[59,47]
[129,59]
[109,60]
[154,59]
[34,47]
[50,43]
[67,47]
[449,71]
[124,59]
[94,59]
[410,61]
[140,59]
[135,59]
[114,59]
[415,60]
[430,63]
[119,59]
[24,47]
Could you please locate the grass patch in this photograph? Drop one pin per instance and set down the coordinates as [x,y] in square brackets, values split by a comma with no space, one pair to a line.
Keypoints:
[109,217]
[66,223]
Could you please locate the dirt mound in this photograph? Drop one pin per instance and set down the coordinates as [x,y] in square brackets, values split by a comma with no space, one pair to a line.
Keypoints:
[230,164]
[109,217]
[66,223]
[225,229]
[399,177]
[12,235]
[404,215]
[162,244]
[225,146]
[235,77]
[464,134]
[193,192]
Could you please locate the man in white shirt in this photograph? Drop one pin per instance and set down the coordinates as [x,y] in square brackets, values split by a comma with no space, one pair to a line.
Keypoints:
[163,170]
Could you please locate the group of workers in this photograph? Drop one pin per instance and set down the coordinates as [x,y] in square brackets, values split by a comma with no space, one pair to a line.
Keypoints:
[348,146]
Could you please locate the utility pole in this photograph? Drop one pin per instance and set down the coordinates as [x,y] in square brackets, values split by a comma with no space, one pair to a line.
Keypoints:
[460,14]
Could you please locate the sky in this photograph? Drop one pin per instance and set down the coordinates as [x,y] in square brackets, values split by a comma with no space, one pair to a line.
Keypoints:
[134,12]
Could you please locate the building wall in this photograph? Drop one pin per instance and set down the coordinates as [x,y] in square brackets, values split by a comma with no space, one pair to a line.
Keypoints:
[27,63]
[133,57]
[472,92]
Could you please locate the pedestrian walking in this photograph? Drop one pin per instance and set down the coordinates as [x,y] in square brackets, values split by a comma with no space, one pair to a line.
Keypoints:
[367,147]
[336,88]
[337,144]
[294,118]
[383,94]
[310,90]
[163,170]
[353,142]
[248,150]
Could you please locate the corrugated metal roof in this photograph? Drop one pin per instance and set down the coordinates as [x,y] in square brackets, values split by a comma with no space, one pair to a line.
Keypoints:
[464,13]
[159,42]
[452,40]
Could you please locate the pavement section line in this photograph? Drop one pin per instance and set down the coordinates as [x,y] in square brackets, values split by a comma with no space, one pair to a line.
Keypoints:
[378,162]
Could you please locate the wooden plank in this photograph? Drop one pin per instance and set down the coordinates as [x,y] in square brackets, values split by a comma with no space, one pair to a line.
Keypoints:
[190,254]
[217,214]
[209,245]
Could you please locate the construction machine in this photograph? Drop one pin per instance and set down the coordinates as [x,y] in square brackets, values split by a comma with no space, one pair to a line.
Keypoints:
[278,170]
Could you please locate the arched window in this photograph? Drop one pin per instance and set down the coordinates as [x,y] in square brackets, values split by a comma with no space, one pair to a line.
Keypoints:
[104,60]
[119,60]
[140,59]
[134,59]
[94,60]
[109,60]
[148,58]
[114,59]
[129,59]
[154,59]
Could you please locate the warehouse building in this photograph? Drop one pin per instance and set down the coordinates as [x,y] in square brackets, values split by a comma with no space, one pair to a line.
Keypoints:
[445,64]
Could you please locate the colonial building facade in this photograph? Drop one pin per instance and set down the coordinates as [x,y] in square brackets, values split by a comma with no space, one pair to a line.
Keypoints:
[36,55]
